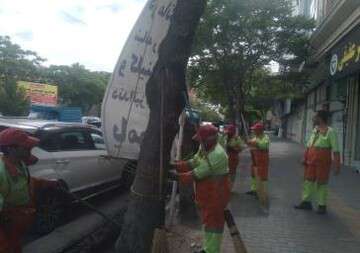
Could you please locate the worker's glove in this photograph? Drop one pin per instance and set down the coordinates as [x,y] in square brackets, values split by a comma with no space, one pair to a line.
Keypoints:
[182,166]
[186,178]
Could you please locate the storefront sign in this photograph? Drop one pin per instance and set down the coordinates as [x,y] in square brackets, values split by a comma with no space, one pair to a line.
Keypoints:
[345,58]
[125,111]
[39,93]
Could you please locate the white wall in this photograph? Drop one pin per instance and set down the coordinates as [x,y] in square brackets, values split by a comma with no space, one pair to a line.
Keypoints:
[337,122]
[295,125]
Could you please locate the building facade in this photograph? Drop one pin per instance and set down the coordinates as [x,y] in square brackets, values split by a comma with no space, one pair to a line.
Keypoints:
[336,64]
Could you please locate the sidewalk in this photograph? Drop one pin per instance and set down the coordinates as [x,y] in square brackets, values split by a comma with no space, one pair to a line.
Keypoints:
[288,230]
[284,229]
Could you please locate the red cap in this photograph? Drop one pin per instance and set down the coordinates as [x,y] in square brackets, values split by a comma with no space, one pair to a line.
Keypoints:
[258,126]
[205,132]
[230,129]
[16,137]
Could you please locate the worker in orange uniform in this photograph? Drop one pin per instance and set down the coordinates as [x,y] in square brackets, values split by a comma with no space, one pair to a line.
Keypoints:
[232,143]
[209,171]
[322,148]
[17,209]
[259,148]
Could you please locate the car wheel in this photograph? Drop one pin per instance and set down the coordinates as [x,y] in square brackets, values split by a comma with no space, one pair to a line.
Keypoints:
[128,175]
[50,213]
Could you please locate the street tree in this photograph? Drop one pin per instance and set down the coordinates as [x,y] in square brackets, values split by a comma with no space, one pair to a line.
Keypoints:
[208,112]
[15,64]
[77,85]
[265,87]
[146,208]
[235,39]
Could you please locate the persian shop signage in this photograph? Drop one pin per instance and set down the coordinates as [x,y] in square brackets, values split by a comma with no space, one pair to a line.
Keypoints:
[345,58]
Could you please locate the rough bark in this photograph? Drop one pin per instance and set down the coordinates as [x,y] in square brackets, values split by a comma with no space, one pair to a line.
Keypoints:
[187,205]
[146,210]
[231,100]
[240,109]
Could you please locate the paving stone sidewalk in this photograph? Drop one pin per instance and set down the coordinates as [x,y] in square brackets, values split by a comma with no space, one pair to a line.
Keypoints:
[286,230]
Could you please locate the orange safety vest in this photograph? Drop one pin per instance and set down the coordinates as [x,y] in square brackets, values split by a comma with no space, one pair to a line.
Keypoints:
[317,164]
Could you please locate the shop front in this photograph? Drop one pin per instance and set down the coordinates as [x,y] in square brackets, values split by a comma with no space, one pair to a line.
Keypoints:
[344,69]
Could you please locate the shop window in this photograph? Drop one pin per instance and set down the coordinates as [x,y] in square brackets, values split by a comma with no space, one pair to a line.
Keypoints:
[357,133]
[341,90]
[311,99]
[337,90]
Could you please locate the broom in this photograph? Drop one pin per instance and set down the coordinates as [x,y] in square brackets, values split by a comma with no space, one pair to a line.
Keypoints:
[234,232]
[261,191]
[160,244]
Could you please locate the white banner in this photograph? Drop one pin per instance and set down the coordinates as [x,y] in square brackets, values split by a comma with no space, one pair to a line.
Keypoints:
[125,112]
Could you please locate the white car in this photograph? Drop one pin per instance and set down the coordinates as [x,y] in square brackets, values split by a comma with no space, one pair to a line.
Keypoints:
[76,154]
[91,120]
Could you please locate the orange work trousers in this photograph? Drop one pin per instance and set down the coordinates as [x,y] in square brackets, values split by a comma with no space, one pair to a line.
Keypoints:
[261,163]
[212,196]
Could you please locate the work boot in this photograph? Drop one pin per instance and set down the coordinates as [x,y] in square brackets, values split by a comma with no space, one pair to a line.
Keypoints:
[304,205]
[321,210]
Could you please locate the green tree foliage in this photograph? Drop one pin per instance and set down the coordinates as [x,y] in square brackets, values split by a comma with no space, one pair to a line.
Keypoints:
[77,85]
[238,38]
[13,101]
[15,64]
[207,112]
[264,88]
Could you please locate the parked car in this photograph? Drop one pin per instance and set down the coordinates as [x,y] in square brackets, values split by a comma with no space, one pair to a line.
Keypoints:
[75,153]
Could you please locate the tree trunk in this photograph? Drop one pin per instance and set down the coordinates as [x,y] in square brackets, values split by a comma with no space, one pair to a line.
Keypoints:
[188,211]
[231,101]
[238,114]
[240,108]
[146,208]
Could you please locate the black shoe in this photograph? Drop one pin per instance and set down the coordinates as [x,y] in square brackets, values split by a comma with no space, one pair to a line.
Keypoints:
[202,251]
[252,193]
[321,210]
[304,205]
